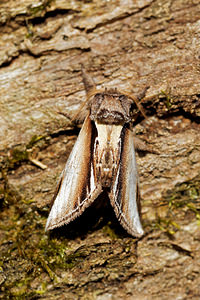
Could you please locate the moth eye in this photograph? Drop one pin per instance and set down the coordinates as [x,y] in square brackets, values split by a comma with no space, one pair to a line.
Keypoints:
[99,97]
[122,97]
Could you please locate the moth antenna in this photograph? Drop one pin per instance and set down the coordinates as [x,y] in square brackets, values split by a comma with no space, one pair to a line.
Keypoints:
[136,102]
[90,89]
[81,113]
[139,106]
[88,82]
[142,95]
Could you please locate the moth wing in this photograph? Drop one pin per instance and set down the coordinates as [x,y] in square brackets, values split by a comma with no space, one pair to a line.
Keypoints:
[77,187]
[124,193]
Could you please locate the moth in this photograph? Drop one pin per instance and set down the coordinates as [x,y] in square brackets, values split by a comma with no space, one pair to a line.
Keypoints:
[102,159]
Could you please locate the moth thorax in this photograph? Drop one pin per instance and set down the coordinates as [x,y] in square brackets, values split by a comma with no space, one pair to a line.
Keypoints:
[108,108]
[114,117]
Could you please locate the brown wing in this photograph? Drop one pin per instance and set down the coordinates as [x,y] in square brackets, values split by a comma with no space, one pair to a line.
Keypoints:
[78,187]
[124,193]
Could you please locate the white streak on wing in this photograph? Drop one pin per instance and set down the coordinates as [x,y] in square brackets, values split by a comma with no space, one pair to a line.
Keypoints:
[64,202]
[132,192]
[129,216]
[70,176]
[116,182]
[92,182]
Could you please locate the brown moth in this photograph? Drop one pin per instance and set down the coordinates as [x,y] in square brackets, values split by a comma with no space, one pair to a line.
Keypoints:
[103,158]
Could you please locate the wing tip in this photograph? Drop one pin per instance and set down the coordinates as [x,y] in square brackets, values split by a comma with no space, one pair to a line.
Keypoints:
[48,226]
[139,232]
[136,231]
[52,225]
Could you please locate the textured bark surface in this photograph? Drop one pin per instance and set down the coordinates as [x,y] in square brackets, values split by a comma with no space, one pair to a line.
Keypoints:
[126,44]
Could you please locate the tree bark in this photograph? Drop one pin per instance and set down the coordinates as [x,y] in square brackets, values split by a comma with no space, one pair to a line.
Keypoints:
[126,44]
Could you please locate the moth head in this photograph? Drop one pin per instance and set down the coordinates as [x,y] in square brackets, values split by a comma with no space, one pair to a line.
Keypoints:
[110,107]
